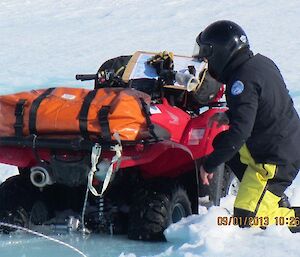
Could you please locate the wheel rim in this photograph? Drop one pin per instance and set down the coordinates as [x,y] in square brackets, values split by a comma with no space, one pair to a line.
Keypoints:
[234,186]
[178,212]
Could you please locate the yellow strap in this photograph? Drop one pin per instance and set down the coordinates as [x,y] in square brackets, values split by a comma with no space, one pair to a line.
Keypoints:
[120,69]
[201,78]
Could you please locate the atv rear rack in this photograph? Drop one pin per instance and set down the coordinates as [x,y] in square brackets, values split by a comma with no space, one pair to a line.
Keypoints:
[74,144]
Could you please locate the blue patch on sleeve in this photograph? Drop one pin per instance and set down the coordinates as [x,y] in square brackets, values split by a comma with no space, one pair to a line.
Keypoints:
[237,87]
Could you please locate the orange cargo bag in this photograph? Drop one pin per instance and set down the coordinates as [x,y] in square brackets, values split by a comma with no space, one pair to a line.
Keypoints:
[75,111]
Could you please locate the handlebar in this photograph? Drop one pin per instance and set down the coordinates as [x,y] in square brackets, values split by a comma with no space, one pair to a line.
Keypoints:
[84,77]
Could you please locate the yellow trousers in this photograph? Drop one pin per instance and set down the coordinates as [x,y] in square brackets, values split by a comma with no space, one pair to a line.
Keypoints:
[254,196]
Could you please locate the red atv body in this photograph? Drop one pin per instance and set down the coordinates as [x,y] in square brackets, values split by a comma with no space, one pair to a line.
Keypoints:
[186,140]
[154,183]
[167,166]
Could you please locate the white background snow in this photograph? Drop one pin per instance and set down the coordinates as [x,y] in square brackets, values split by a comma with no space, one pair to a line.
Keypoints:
[46,42]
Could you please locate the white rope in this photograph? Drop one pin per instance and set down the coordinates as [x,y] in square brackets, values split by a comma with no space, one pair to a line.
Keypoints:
[43,236]
[115,159]
[84,230]
[96,152]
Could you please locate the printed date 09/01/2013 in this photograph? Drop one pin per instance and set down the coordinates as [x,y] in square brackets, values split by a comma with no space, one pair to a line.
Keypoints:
[257,221]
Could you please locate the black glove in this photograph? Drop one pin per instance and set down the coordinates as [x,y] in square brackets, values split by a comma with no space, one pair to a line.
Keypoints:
[162,61]
[167,76]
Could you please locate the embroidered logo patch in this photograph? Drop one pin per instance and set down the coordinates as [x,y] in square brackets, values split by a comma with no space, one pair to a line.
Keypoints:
[237,88]
[243,38]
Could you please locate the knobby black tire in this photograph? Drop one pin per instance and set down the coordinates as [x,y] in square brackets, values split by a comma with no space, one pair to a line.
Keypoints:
[152,210]
[21,203]
[219,186]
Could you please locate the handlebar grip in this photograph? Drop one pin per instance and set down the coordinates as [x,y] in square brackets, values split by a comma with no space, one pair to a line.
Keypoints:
[84,77]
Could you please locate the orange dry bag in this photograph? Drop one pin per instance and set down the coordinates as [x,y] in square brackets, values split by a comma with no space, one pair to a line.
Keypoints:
[75,111]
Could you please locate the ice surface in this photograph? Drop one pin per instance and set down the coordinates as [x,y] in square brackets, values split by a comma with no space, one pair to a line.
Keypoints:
[46,42]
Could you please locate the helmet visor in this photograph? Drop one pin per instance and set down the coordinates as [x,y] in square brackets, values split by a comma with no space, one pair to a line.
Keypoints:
[202,50]
[196,51]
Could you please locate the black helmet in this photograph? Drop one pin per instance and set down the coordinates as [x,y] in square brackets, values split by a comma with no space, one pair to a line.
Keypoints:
[218,43]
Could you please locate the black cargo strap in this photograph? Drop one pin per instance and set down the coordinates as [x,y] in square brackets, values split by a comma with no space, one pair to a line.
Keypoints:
[104,124]
[19,113]
[84,111]
[34,108]
[147,113]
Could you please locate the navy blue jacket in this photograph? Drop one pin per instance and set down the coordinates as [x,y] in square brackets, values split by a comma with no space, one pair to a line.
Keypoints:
[261,114]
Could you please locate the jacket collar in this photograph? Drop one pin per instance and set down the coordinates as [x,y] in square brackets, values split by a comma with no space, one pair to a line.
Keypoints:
[235,64]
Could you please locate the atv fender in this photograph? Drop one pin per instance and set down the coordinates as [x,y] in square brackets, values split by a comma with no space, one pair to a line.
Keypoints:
[158,159]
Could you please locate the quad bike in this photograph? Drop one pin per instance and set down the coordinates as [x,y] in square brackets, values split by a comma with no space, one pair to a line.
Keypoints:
[145,185]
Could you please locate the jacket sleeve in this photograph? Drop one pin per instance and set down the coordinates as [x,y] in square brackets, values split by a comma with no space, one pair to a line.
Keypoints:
[242,114]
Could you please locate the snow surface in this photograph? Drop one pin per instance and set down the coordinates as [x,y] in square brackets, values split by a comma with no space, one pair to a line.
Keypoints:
[46,42]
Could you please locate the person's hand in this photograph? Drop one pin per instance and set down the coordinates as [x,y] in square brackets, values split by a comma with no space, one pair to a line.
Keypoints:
[205,177]
[220,117]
